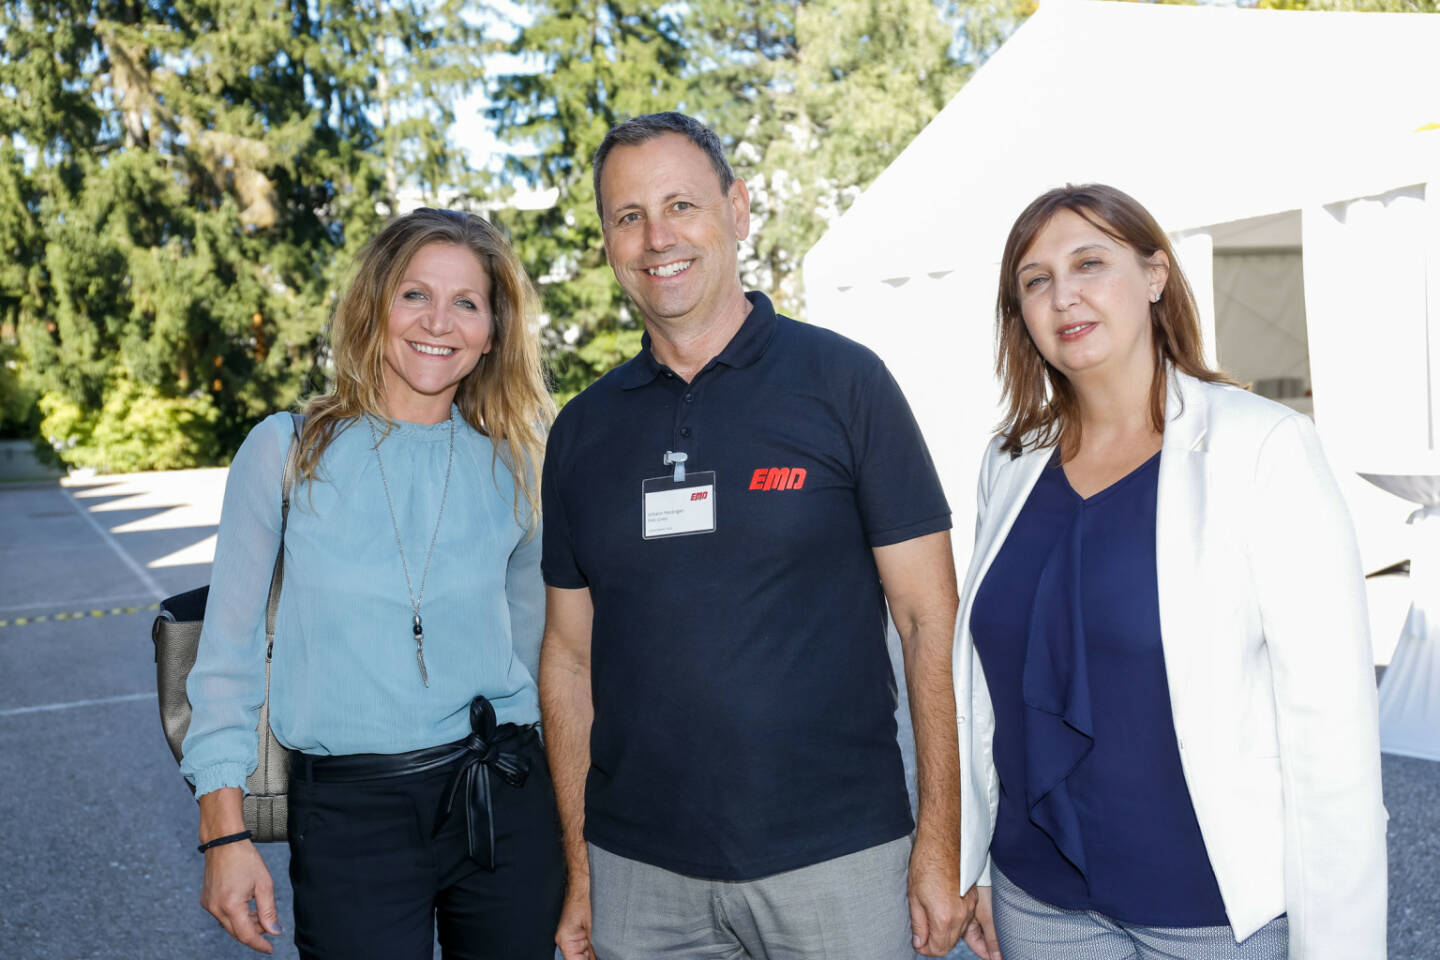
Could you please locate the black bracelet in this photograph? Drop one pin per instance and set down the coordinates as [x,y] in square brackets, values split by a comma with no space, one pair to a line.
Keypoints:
[221,841]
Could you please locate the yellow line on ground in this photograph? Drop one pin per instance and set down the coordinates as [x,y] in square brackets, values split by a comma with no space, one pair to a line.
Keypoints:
[76,615]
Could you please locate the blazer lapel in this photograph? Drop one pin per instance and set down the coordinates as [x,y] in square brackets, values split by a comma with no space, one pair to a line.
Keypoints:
[1013,482]
[1180,535]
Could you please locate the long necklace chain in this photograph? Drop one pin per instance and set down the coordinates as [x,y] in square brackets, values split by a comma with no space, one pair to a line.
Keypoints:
[415,597]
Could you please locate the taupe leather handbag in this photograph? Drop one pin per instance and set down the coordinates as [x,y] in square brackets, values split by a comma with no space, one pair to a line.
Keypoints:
[176,633]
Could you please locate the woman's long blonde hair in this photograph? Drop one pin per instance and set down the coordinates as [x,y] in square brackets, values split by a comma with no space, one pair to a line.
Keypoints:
[1042,409]
[504,397]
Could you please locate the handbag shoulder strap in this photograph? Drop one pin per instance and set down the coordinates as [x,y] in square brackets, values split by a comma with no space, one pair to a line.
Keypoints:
[277,576]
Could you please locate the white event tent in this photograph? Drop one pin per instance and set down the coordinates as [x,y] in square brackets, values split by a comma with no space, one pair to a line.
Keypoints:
[1293,156]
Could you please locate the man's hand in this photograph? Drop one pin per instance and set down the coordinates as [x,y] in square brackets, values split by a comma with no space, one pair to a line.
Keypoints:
[573,934]
[980,935]
[234,876]
[918,577]
[938,912]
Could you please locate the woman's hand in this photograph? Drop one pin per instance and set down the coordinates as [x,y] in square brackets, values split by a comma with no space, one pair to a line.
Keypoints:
[980,935]
[235,875]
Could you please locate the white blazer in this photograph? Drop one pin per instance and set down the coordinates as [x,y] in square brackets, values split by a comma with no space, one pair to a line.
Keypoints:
[1272,684]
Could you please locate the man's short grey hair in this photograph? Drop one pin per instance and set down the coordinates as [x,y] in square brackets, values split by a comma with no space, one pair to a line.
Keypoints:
[643,129]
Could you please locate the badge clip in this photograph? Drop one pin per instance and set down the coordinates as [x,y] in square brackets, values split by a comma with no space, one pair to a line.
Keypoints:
[678,459]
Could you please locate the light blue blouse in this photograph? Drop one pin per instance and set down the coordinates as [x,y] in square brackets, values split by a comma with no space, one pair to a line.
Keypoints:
[344,677]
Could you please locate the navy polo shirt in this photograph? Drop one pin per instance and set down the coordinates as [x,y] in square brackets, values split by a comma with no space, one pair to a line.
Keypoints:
[744,702]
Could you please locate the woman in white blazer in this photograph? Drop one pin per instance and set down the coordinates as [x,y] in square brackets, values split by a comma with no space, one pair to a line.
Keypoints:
[1164,687]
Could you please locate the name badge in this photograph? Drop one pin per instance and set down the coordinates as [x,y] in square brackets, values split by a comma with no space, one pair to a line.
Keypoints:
[671,508]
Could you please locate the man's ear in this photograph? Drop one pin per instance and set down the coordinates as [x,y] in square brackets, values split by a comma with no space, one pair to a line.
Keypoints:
[740,202]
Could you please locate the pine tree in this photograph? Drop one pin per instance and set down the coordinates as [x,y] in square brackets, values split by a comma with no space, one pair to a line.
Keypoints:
[1366,6]
[812,99]
[182,183]
[846,86]
[591,64]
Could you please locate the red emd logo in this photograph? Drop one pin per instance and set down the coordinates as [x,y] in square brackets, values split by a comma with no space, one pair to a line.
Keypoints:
[699,495]
[778,478]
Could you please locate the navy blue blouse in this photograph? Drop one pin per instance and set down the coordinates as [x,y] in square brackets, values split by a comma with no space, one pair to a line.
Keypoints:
[1094,811]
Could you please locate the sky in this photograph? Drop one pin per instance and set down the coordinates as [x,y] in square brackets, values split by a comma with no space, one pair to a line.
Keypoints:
[472,132]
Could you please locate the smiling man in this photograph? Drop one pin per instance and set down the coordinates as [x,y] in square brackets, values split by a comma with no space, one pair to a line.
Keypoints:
[726,517]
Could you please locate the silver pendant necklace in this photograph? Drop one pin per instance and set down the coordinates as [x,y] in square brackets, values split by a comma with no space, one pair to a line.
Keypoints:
[415,598]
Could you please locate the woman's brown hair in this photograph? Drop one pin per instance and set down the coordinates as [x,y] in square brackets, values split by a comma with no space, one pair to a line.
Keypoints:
[1041,405]
[504,397]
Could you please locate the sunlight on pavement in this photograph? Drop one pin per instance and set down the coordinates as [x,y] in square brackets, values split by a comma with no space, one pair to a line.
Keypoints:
[202,552]
[166,500]
[192,496]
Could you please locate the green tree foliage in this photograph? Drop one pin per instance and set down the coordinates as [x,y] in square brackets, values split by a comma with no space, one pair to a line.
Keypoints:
[813,99]
[180,184]
[1368,6]
[137,428]
[587,64]
[19,415]
[843,92]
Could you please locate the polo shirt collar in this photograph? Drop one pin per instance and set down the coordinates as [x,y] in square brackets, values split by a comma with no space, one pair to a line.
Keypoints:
[745,347]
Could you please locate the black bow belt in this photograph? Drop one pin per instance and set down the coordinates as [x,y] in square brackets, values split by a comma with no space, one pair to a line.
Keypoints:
[481,754]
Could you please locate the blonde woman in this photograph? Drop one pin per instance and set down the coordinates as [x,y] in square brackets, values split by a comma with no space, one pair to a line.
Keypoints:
[1168,729]
[408,626]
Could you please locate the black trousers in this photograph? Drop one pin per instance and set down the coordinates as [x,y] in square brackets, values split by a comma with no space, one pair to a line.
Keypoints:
[370,880]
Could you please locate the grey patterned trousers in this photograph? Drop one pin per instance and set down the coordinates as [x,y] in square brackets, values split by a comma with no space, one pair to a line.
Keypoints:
[1029,929]
[850,908]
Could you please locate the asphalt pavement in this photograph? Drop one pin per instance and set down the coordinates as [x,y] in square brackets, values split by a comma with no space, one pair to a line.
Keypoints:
[97,830]
[97,841]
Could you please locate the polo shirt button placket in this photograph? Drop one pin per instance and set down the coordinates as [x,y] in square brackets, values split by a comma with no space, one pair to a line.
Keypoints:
[683,414]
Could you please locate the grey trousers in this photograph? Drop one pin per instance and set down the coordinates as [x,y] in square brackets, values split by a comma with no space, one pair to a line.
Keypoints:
[1030,929]
[851,908]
